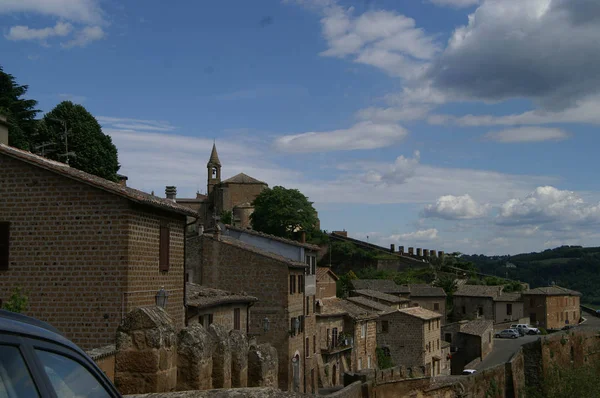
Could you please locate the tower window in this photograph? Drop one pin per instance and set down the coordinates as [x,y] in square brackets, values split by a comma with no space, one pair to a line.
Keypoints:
[214,172]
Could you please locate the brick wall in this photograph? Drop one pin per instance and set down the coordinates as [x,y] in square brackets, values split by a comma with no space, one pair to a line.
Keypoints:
[68,249]
[561,311]
[235,194]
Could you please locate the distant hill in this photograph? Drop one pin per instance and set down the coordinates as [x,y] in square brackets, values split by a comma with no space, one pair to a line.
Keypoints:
[573,267]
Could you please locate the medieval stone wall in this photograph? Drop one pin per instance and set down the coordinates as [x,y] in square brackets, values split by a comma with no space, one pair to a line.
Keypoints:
[468,307]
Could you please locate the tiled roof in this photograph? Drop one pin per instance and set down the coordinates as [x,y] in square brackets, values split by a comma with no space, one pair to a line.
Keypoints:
[508,297]
[203,297]
[246,246]
[337,306]
[365,302]
[242,179]
[426,291]
[97,182]
[380,296]
[478,291]
[552,291]
[420,312]
[322,273]
[273,237]
[380,285]
[477,327]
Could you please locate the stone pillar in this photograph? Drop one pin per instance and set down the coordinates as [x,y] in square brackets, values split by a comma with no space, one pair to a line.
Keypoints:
[239,359]
[263,366]
[411,251]
[146,359]
[401,249]
[432,253]
[195,348]
[425,252]
[419,252]
[440,254]
[221,372]
[392,248]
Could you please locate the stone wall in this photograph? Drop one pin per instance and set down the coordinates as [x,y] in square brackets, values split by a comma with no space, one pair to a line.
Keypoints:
[222,315]
[501,311]
[364,350]
[105,359]
[405,339]
[430,304]
[470,305]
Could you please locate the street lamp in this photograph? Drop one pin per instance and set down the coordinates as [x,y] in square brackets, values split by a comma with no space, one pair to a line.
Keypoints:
[162,297]
[266,324]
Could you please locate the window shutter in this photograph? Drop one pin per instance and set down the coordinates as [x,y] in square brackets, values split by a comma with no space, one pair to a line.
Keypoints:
[4,245]
[165,238]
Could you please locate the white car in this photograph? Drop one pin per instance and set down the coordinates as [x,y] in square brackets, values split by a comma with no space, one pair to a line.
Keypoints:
[467,372]
[525,328]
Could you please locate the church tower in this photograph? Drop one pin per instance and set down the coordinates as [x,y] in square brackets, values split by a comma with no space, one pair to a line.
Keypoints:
[214,170]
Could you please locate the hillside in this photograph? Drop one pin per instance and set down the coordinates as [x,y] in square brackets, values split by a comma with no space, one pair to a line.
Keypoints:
[573,267]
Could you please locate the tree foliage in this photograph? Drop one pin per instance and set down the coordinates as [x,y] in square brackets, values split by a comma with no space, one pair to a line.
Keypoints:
[17,302]
[21,112]
[85,146]
[283,212]
[226,217]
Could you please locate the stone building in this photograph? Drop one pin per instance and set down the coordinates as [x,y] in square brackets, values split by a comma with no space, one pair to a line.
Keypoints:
[234,195]
[347,339]
[508,307]
[412,337]
[374,306]
[326,283]
[552,307]
[80,244]
[469,340]
[430,297]
[391,301]
[489,302]
[207,306]
[285,302]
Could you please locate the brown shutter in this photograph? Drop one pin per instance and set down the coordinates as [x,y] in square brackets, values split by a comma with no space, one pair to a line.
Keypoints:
[4,245]
[164,248]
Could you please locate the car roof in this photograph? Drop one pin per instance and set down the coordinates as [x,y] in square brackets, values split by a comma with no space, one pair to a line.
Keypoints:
[19,324]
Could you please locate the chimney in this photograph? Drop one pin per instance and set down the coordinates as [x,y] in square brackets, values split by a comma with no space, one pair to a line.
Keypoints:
[401,249]
[425,252]
[440,254]
[419,252]
[411,251]
[392,248]
[303,237]
[171,192]
[432,253]
[122,180]
[3,130]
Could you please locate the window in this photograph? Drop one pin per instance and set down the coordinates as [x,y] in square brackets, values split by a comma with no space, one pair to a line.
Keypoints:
[210,319]
[301,318]
[385,326]
[561,316]
[508,309]
[4,245]
[311,261]
[163,250]
[567,316]
[307,348]
[428,347]
[359,363]
[293,326]
[328,337]
[15,380]
[314,343]
[312,379]
[436,306]
[429,324]
[490,337]
[314,305]
[464,309]
[201,320]
[334,337]
[438,344]
[479,311]
[369,362]
[300,283]
[363,330]
[448,337]
[292,284]
[308,306]
[236,319]
[69,378]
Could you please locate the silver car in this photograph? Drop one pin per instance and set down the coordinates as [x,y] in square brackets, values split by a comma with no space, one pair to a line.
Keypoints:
[508,334]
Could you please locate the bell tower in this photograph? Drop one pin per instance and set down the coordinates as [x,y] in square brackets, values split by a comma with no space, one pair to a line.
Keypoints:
[214,170]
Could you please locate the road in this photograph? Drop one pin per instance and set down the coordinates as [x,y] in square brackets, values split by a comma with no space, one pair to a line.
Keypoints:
[505,348]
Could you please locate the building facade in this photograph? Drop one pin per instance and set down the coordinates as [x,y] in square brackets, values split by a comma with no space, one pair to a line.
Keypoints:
[79,244]
[279,283]
[326,282]
[412,337]
[475,301]
[552,307]
[508,307]
[469,340]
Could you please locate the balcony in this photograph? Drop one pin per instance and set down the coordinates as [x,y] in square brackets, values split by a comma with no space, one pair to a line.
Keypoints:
[336,347]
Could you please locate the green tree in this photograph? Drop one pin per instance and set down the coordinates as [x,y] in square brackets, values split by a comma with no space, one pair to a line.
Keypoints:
[17,302]
[344,284]
[21,112]
[78,139]
[226,217]
[283,212]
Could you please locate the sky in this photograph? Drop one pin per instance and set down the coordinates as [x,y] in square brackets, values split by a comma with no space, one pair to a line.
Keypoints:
[456,125]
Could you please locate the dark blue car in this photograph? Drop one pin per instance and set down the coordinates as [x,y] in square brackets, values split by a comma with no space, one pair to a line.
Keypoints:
[37,361]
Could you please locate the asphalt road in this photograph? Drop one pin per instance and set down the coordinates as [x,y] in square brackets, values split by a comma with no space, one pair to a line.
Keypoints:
[505,348]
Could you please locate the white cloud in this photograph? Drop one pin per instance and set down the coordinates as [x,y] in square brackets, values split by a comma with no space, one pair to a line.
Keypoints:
[546,205]
[527,134]
[85,36]
[539,49]
[383,39]
[363,135]
[21,32]
[455,3]
[452,207]
[421,235]
[84,11]
[398,173]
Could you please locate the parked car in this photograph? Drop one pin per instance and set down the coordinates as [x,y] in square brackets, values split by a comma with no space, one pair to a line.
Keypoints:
[527,329]
[597,312]
[520,330]
[37,361]
[508,334]
[467,372]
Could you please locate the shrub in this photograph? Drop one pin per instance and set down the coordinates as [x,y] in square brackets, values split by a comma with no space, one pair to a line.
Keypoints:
[17,302]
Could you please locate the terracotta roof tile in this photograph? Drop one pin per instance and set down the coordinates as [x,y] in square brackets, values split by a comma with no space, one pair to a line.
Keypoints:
[508,297]
[98,182]
[380,296]
[552,291]
[478,291]
[242,178]
[337,306]
[420,312]
[204,297]
[426,291]
[477,327]
[365,302]
[380,285]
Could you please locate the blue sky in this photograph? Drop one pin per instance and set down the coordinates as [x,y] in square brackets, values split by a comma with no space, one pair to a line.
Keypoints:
[464,125]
